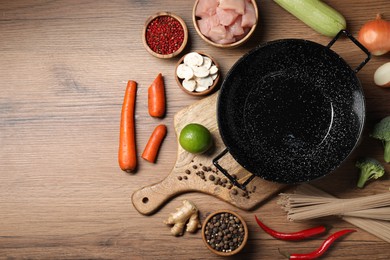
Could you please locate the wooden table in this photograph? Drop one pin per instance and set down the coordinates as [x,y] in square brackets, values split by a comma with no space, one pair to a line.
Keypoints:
[64,68]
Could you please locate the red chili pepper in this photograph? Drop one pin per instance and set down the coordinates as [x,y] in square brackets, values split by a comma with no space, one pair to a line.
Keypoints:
[303,234]
[322,249]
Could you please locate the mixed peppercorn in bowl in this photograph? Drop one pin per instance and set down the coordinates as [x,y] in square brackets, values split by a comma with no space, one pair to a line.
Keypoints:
[165,35]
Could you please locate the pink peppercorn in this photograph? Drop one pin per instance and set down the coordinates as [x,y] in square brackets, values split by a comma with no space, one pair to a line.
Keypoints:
[164,35]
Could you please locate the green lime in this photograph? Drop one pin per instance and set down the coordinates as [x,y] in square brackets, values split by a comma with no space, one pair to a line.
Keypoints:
[195,138]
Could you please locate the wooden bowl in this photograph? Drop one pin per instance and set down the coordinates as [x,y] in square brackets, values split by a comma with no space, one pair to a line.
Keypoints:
[221,253]
[228,45]
[169,55]
[203,93]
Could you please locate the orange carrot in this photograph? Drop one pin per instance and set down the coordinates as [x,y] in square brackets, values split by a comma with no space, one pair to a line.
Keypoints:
[156,97]
[127,155]
[154,143]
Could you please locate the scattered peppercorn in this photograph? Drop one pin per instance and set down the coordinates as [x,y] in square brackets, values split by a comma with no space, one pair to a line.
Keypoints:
[224,232]
[164,35]
[208,173]
[179,178]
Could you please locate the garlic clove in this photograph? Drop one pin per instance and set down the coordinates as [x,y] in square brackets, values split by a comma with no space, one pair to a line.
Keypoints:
[382,75]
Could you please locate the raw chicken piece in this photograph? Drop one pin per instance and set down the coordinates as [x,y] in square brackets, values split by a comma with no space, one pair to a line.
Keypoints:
[236,5]
[206,8]
[226,41]
[249,18]
[226,16]
[219,33]
[246,31]
[225,21]
[204,26]
[208,22]
[236,28]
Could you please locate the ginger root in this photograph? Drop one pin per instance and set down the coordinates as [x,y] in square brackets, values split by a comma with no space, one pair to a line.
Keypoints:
[187,212]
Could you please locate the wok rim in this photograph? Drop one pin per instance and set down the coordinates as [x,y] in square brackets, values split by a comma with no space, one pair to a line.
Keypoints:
[360,125]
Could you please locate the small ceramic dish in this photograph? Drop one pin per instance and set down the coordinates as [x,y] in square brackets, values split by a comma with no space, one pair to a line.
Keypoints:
[240,39]
[216,77]
[168,23]
[234,229]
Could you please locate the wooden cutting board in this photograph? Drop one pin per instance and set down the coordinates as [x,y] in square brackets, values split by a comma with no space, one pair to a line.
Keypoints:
[191,173]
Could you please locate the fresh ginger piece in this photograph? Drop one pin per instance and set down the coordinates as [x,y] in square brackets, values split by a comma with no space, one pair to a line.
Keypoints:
[178,229]
[193,224]
[187,212]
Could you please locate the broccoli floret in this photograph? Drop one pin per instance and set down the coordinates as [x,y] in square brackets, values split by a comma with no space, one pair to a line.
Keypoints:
[382,132]
[369,169]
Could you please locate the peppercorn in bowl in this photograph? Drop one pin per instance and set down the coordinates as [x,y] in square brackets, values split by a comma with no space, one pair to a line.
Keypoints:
[224,233]
[165,35]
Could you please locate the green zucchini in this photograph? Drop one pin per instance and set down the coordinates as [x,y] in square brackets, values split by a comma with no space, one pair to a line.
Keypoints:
[316,14]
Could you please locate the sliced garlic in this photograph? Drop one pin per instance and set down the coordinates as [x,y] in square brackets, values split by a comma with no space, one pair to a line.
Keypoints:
[203,83]
[201,72]
[197,71]
[193,59]
[184,72]
[213,69]
[189,84]
[206,62]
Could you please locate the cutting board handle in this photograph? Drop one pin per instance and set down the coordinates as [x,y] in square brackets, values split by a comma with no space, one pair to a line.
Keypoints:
[149,199]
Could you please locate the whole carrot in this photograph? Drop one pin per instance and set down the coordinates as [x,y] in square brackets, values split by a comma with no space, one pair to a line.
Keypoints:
[127,155]
[156,97]
[154,143]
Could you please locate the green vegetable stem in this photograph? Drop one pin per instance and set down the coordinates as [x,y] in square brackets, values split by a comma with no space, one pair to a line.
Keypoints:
[381,132]
[369,169]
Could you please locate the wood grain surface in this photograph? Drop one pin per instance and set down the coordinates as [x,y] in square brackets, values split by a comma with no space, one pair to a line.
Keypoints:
[63,71]
[185,175]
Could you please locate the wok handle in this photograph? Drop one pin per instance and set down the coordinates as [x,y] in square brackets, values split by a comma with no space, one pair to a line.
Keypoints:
[357,43]
[226,173]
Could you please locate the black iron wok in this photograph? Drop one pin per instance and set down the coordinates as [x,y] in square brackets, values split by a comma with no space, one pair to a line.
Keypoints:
[290,111]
